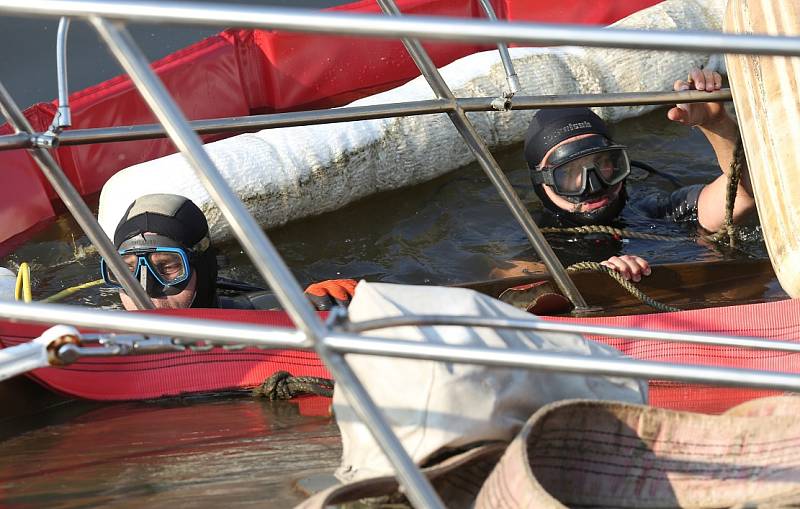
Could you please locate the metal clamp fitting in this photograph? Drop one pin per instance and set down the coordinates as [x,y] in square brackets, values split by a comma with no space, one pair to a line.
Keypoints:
[45,140]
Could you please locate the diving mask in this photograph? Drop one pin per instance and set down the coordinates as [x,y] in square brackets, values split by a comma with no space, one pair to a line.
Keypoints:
[159,263]
[583,168]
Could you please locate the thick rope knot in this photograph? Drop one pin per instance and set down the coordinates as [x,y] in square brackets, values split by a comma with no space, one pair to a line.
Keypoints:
[597,267]
[282,386]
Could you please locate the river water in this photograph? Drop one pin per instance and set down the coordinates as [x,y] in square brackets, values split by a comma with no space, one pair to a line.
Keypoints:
[241,452]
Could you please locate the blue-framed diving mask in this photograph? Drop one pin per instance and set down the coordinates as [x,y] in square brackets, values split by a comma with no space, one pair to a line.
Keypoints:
[161,265]
[584,168]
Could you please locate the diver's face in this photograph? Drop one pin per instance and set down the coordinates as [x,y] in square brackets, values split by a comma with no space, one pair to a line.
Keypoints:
[595,202]
[180,300]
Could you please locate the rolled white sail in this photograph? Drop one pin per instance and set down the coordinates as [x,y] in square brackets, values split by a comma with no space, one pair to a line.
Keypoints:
[291,173]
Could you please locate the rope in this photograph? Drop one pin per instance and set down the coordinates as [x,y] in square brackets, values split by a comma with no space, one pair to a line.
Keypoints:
[73,289]
[610,230]
[627,285]
[282,386]
[728,230]
[22,290]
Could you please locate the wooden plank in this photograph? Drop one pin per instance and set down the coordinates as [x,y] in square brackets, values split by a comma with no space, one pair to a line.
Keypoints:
[765,92]
[684,285]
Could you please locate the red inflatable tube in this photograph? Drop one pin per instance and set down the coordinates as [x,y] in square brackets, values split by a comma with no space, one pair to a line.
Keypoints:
[205,81]
[24,198]
[154,376]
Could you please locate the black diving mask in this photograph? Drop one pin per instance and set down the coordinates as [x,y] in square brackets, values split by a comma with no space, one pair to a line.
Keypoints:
[583,168]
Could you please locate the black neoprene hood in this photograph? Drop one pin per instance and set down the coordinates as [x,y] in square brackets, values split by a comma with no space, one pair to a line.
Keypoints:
[179,219]
[169,215]
[550,127]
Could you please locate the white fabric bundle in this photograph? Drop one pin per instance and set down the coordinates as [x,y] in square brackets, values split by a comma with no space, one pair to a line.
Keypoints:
[434,405]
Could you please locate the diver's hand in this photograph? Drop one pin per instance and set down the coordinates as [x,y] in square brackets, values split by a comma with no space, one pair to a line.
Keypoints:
[705,114]
[630,266]
[326,294]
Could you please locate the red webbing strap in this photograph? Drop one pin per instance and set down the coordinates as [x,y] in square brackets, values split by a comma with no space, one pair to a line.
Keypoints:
[153,376]
[773,320]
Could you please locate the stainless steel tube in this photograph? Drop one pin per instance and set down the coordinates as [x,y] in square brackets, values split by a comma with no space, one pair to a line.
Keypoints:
[257,335]
[153,324]
[63,116]
[354,113]
[489,165]
[424,27]
[502,48]
[74,203]
[15,141]
[574,328]
[566,363]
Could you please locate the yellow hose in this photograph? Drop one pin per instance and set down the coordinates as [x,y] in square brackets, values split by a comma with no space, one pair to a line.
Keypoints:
[69,291]
[22,290]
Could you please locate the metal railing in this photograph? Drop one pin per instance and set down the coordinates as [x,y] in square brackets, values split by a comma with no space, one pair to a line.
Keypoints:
[329,340]
[353,113]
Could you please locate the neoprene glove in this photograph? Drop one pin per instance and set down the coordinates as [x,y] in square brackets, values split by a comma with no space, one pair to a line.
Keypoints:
[326,294]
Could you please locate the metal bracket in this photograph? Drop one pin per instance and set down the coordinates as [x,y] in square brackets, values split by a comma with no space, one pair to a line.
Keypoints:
[503,103]
[48,140]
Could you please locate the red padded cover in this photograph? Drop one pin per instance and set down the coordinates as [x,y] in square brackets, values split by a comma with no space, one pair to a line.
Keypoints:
[307,70]
[24,193]
[204,80]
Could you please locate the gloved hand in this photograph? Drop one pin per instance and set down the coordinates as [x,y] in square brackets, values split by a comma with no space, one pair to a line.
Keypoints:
[326,294]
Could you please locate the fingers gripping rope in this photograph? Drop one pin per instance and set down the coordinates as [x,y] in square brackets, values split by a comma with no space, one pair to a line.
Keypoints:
[627,285]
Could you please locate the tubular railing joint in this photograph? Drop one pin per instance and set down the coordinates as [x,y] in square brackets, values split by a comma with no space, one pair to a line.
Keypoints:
[45,140]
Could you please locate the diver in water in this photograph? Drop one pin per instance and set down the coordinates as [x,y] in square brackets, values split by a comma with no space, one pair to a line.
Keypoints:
[579,173]
[164,240]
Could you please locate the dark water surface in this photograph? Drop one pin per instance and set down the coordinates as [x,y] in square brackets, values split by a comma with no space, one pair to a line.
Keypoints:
[217,452]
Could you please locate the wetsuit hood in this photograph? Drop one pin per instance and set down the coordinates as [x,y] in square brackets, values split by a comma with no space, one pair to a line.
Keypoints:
[548,128]
[180,220]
